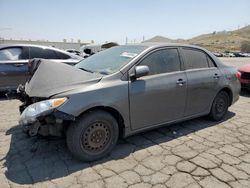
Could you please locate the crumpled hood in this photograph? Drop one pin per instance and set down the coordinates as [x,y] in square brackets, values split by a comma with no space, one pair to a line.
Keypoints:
[53,78]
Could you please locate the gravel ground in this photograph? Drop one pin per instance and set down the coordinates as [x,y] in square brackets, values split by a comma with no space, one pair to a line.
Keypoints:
[196,153]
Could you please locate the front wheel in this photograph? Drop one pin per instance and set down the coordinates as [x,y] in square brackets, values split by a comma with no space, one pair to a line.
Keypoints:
[220,106]
[93,135]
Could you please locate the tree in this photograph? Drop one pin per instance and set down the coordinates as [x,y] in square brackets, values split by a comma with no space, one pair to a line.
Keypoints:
[245,46]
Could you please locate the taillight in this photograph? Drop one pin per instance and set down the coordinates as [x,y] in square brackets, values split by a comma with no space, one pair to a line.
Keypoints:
[238,74]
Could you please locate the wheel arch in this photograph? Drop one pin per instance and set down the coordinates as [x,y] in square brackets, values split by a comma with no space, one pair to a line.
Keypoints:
[114,112]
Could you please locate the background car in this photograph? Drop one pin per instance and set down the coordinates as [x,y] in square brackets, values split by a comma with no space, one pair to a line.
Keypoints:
[217,54]
[239,54]
[91,49]
[228,54]
[14,60]
[244,76]
[246,54]
[73,51]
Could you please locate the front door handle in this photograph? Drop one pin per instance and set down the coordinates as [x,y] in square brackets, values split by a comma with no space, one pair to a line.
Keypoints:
[180,82]
[216,76]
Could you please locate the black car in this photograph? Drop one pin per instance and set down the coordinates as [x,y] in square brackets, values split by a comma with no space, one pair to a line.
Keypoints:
[14,60]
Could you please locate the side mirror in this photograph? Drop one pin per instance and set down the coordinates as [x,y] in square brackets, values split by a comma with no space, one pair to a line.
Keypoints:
[141,70]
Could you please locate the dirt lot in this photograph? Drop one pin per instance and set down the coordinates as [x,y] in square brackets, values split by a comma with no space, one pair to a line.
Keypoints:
[196,153]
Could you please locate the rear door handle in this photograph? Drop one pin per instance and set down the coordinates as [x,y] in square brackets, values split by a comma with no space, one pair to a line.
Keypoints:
[216,76]
[180,82]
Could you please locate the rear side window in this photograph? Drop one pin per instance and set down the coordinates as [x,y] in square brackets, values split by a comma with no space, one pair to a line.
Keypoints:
[10,54]
[162,61]
[195,59]
[42,53]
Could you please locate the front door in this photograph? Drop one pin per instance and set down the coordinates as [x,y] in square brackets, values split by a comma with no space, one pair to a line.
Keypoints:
[13,67]
[159,97]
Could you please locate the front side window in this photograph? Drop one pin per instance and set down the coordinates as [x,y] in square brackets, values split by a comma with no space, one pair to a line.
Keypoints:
[162,61]
[195,59]
[36,52]
[10,54]
[110,60]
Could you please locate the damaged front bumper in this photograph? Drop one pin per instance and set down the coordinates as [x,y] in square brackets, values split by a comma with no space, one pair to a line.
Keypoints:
[51,124]
[40,116]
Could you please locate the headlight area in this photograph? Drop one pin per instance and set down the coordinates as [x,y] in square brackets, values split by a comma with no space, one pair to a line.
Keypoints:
[43,117]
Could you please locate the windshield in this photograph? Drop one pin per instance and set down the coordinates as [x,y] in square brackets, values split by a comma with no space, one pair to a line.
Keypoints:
[110,60]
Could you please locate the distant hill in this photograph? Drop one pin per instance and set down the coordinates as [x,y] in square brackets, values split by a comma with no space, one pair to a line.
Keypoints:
[222,41]
[159,39]
[216,41]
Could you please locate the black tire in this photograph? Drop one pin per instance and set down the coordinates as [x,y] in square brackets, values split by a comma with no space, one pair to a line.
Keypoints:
[220,106]
[93,135]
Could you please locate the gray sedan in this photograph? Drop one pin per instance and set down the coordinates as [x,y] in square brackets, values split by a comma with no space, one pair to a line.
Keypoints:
[14,60]
[125,90]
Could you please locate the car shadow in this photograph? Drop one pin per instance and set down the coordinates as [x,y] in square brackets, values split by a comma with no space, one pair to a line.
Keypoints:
[37,159]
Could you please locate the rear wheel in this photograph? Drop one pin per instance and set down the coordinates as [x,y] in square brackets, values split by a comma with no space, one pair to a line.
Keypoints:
[220,106]
[93,135]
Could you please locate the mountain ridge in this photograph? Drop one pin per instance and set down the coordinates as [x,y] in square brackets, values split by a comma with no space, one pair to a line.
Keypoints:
[215,41]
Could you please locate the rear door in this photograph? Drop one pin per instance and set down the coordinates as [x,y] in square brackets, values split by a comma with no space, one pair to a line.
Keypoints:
[203,79]
[159,97]
[13,67]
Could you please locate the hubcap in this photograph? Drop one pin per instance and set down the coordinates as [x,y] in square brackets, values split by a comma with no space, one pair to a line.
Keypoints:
[220,105]
[96,137]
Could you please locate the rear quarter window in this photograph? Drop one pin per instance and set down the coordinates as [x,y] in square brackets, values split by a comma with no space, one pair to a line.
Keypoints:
[62,55]
[195,59]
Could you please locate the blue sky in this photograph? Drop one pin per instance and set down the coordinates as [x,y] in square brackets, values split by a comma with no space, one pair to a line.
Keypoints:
[114,20]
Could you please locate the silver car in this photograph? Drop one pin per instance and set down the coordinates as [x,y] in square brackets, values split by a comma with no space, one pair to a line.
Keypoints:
[125,90]
[14,60]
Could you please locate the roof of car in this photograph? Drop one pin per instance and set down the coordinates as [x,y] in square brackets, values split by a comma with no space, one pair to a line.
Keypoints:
[28,45]
[164,44]
[33,45]
[38,46]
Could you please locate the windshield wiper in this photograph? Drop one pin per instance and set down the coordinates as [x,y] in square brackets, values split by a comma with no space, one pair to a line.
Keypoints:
[86,70]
